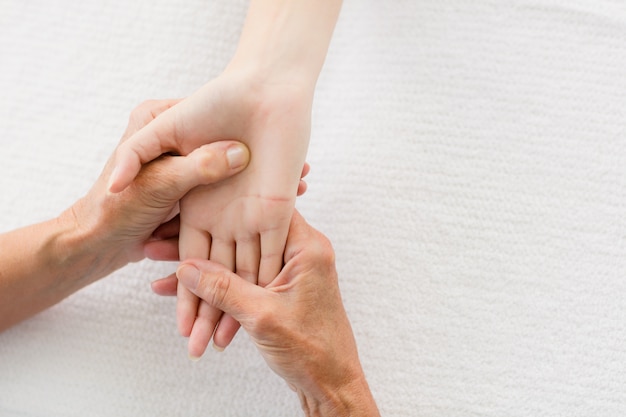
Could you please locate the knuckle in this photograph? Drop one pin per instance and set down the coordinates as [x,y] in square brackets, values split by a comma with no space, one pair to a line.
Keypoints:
[218,290]
[247,273]
[209,166]
[264,321]
[323,250]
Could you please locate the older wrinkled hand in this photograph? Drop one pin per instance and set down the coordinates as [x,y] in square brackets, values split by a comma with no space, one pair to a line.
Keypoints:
[124,222]
[297,321]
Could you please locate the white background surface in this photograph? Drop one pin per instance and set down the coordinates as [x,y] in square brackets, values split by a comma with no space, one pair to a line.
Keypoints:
[469,165]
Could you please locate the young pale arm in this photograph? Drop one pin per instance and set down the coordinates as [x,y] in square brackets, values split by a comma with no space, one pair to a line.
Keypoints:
[263,98]
[42,264]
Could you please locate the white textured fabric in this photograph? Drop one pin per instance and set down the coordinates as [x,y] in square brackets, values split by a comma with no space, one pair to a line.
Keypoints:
[469,166]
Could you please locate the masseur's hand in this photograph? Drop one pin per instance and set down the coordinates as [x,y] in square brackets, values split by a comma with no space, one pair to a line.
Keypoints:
[297,322]
[43,263]
[122,224]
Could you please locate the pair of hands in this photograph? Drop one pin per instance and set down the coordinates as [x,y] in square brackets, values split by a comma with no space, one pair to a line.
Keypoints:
[297,321]
[263,99]
[143,220]
[240,222]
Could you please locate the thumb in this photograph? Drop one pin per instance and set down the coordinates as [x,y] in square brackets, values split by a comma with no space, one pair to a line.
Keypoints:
[208,164]
[221,288]
[169,179]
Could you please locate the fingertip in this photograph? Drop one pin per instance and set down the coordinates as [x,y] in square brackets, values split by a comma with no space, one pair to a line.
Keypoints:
[202,331]
[305,170]
[302,187]
[127,166]
[117,182]
[189,276]
[164,286]
[162,250]
[113,186]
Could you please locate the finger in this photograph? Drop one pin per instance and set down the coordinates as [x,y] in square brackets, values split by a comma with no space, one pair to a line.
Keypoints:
[151,141]
[247,258]
[186,310]
[223,289]
[225,332]
[145,113]
[194,243]
[302,187]
[298,237]
[305,170]
[248,254]
[168,229]
[203,328]
[217,161]
[272,249]
[169,179]
[163,245]
[223,252]
[207,317]
[165,286]
[162,250]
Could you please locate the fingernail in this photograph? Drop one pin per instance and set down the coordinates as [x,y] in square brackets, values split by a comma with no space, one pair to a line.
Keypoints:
[194,358]
[218,348]
[236,156]
[189,276]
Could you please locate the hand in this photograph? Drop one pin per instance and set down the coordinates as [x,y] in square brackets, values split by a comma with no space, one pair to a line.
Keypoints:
[163,246]
[43,263]
[297,321]
[122,224]
[264,99]
[242,222]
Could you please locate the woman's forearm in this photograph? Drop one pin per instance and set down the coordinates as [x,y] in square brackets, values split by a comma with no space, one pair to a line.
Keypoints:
[40,265]
[287,40]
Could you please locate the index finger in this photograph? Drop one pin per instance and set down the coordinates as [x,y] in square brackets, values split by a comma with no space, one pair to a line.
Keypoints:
[146,112]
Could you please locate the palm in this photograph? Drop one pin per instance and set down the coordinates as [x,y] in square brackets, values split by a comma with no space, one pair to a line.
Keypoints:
[242,222]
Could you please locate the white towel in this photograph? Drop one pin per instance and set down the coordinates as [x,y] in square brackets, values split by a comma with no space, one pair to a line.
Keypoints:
[468,164]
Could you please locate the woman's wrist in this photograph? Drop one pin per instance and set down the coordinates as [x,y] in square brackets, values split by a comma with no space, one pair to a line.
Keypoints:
[78,246]
[286,41]
[41,265]
[84,244]
[353,399]
[335,384]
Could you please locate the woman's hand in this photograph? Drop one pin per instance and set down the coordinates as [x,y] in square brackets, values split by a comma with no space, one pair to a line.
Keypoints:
[44,263]
[242,222]
[297,321]
[263,99]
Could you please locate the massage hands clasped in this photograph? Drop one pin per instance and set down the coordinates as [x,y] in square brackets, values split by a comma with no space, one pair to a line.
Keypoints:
[212,180]
[263,98]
